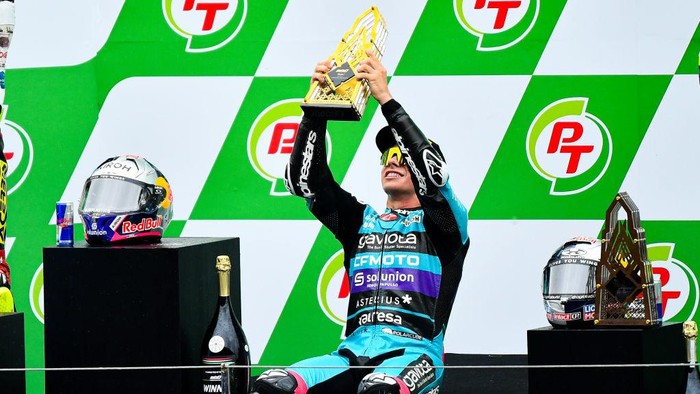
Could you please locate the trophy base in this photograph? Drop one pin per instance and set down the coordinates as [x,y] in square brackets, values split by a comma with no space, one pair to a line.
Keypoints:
[332,111]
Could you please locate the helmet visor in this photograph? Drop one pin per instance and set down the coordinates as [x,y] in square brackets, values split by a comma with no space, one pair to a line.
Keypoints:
[570,279]
[112,195]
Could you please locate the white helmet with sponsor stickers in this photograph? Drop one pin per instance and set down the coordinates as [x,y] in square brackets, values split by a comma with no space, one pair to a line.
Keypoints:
[568,283]
[126,199]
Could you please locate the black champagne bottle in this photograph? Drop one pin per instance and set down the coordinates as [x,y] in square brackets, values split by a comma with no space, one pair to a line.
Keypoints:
[224,343]
[690,332]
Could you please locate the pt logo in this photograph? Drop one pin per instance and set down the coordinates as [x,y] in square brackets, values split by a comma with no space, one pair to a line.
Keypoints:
[679,286]
[271,140]
[498,24]
[333,289]
[207,24]
[36,293]
[568,146]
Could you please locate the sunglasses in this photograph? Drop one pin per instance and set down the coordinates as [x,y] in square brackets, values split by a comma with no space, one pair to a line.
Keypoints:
[394,151]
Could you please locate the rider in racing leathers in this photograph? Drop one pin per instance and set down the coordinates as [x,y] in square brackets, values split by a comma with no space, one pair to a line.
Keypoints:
[404,264]
[7,24]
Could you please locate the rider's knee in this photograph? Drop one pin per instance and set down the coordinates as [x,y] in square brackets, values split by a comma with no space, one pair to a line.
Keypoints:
[279,381]
[379,383]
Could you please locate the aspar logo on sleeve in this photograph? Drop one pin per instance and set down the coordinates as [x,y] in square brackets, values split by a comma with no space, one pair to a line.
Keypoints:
[568,146]
[207,24]
[498,24]
[679,286]
[271,140]
[333,289]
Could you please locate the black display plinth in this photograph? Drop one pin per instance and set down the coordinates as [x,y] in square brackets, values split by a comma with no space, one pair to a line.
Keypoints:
[653,345]
[12,353]
[489,380]
[131,306]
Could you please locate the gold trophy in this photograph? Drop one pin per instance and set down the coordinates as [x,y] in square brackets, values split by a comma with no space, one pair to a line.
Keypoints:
[625,293]
[342,96]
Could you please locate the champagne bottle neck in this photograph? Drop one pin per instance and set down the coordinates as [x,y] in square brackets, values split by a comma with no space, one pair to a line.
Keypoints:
[691,348]
[690,332]
[224,284]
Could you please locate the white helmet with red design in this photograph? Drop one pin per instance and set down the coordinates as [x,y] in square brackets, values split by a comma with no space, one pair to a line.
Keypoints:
[126,199]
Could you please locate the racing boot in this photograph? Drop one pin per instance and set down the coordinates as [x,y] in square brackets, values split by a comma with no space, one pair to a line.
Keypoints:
[380,383]
[279,381]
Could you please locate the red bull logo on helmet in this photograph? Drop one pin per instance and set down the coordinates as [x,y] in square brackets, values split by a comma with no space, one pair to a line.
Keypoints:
[145,225]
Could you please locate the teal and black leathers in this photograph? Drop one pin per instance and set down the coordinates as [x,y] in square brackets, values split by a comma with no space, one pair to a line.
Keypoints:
[404,266]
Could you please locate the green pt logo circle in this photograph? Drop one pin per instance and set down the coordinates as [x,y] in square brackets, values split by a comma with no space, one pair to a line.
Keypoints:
[333,289]
[568,146]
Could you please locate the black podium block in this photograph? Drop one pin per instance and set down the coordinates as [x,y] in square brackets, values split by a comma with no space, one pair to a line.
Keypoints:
[652,345]
[132,306]
[12,353]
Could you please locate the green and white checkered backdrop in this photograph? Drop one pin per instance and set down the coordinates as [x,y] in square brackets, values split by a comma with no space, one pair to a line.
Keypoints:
[544,109]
